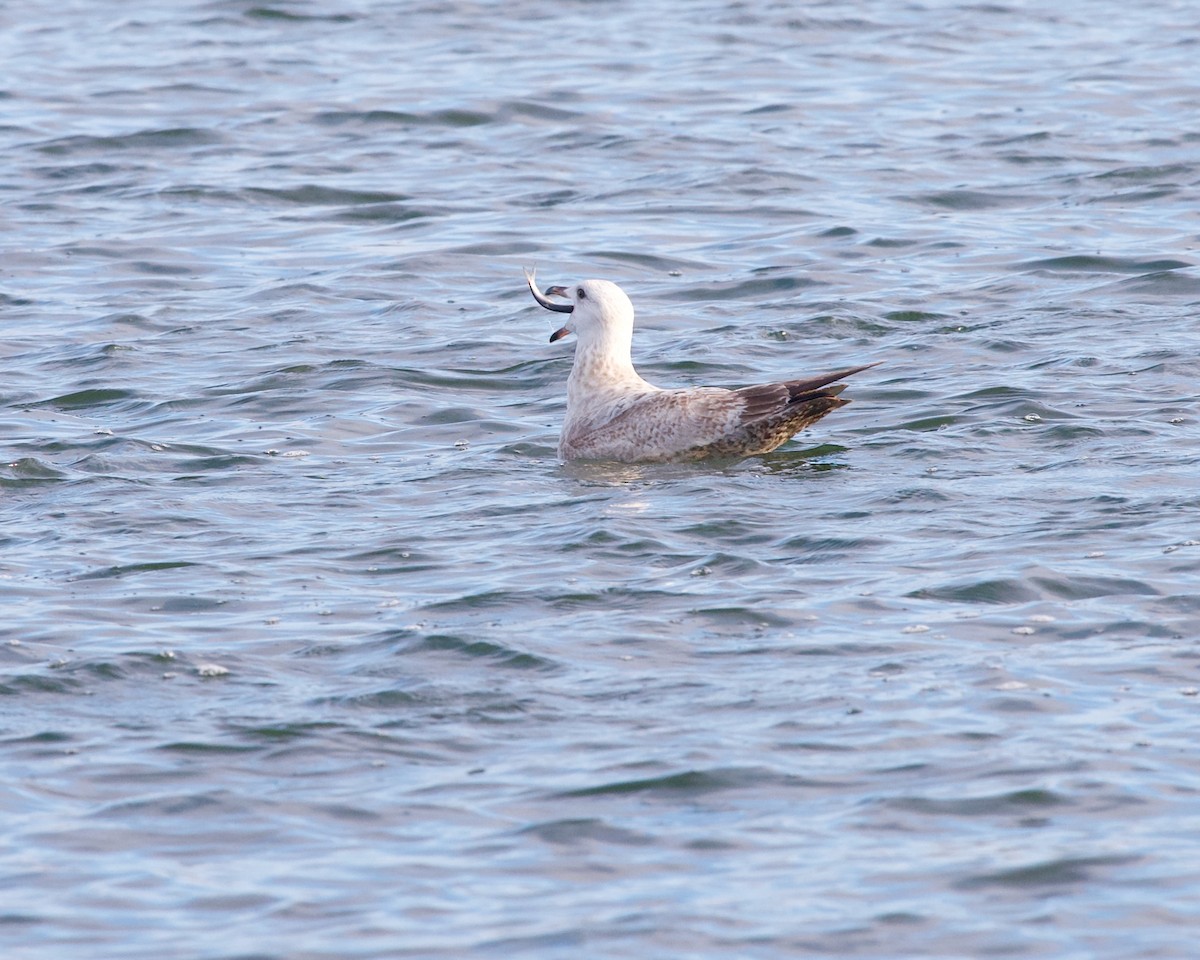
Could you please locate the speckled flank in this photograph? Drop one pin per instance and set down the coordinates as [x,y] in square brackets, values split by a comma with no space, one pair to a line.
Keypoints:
[763,436]
[614,414]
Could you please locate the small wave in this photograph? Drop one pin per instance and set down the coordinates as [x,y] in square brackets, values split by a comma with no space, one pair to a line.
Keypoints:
[691,783]
[1083,263]
[745,289]
[126,570]
[481,649]
[274,13]
[311,194]
[1035,586]
[85,399]
[1013,802]
[572,832]
[437,118]
[174,138]
[967,199]
[1066,871]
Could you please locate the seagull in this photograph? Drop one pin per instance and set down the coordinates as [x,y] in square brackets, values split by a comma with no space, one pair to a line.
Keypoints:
[613,414]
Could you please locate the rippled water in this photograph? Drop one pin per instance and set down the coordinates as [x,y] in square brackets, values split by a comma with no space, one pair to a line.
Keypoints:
[314,650]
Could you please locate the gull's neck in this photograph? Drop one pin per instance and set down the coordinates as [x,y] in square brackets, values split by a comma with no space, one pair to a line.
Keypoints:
[604,365]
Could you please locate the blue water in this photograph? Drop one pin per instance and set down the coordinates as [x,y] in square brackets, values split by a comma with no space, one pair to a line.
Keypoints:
[311,648]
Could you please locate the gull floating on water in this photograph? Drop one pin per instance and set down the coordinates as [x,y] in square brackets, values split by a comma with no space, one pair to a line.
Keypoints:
[613,414]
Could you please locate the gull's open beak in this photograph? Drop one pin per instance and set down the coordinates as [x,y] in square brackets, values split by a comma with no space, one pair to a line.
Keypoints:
[551,305]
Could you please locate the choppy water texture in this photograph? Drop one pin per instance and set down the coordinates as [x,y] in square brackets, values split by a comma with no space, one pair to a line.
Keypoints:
[312,648]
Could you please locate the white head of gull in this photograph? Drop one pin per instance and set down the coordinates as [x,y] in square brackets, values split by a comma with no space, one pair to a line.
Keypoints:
[613,414]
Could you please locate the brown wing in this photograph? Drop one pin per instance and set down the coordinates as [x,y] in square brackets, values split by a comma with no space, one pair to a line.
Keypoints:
[771,400]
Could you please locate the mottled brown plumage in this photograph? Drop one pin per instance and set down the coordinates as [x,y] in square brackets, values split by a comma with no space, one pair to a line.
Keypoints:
[613,414]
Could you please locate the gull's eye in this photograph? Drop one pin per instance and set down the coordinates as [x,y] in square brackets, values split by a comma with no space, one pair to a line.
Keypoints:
[580,293]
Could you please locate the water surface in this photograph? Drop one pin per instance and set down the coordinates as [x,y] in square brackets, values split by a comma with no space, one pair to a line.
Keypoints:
[312,648]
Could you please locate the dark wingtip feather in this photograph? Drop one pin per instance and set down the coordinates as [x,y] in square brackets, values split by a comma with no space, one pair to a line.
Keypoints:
[798,387]
[795,398]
